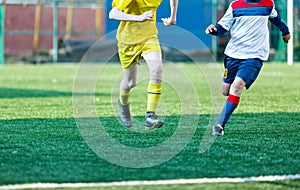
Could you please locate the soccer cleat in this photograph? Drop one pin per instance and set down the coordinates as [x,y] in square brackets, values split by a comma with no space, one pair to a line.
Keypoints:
[152,122]
[218,130]
[125,115]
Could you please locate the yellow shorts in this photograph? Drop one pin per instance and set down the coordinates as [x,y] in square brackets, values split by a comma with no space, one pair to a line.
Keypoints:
[131,54]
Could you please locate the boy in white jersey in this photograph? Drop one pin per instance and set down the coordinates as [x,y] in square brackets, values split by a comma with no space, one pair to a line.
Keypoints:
[247,21]
[137,37]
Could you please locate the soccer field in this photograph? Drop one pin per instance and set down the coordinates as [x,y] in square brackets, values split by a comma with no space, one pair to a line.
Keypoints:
[43,140]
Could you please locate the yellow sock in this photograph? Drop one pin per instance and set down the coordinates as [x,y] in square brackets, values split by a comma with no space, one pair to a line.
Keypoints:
[124,96]
[154,92]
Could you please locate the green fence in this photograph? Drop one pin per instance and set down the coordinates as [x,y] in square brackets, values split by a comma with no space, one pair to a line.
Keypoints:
[2,13]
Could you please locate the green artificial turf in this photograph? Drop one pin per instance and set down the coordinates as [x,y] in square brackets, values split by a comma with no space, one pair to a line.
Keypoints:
[40,140]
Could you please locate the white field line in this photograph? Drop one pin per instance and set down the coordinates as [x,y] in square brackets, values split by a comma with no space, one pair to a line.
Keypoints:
[156,182]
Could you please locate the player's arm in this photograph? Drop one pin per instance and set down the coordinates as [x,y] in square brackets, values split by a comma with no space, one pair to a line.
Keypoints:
[172,19]
[223,25]
[215,30]
[116,14]
[276,20]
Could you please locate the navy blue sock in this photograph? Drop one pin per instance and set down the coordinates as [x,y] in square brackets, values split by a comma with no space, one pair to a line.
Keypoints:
[229,106]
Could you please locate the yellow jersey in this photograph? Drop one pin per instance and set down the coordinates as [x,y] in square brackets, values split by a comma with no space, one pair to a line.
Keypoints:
[136,32]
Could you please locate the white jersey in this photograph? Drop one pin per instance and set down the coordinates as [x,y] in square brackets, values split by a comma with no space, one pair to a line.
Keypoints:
[248,26]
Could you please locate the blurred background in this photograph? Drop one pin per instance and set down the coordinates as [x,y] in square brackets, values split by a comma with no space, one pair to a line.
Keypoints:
[43,31]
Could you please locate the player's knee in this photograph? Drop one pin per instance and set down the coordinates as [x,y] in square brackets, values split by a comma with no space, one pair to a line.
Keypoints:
[128,84]
[157,70]
[156,76]
[225,89]
[225,93]
[237,87]
[131,84]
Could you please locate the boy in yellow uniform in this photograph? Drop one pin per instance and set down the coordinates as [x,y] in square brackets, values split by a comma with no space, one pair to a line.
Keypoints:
[137,37]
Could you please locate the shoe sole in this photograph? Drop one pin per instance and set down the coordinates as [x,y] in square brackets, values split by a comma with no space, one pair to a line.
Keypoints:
[154,126]
[127,126]
[217,133]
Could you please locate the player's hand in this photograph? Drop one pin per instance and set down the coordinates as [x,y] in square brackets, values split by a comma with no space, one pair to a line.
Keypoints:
[286,38]
[168,21]
[210,29]
[148,15]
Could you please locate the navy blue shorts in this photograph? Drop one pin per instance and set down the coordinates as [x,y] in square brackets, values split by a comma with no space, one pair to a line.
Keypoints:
[246,69]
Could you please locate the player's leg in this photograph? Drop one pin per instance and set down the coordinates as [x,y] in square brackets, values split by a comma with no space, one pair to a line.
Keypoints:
[235,91]
[246,75]
[232,101]
[129,56]
[127,83]
[231,68]
[154,62]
